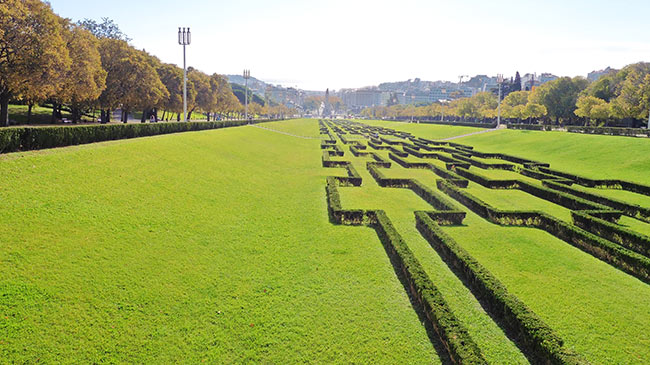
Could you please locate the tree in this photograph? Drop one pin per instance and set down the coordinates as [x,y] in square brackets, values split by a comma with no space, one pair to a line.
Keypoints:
[172,77]
[516,85]
[592,108]
[533,110]
[106,29]
[132,80]
[85,80]
[633,99]
[560,96]
[33,55]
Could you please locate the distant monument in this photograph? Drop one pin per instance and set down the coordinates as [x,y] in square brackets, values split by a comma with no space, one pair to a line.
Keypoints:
[327,108]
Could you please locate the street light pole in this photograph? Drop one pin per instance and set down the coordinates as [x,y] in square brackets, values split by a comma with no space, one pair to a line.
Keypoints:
[184,39]
[500,82]
[247,75]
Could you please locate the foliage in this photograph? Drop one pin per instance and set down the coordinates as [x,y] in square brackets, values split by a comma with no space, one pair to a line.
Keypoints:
[33,53]
[559,96]
[106,29]
[592,108]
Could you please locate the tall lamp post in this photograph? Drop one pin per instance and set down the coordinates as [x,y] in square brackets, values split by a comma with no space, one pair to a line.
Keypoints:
[247,75]
[184,39]
[500,82]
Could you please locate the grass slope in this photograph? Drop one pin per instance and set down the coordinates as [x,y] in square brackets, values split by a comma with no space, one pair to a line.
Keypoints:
[210,246]
[598,157]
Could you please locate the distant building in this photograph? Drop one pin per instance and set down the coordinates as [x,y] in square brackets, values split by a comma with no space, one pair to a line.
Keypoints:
[528,81]
[595,75]
[363,98]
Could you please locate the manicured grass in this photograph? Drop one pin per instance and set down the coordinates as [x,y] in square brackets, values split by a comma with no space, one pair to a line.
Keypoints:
[429,131]
[594,156]
[210,246]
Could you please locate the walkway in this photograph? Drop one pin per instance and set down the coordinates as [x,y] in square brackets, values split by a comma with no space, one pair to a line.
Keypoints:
[470,134]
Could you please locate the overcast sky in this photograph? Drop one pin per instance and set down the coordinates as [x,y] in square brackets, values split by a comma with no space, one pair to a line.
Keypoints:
[345,44]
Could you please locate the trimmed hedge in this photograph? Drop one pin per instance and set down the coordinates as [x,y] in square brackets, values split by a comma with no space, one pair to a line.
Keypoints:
[536,338]
[35,138]
[632,210]
[531,127]
[612,131]
[622,258]
[460,346]
[601,183]
[627,238]
[445,174]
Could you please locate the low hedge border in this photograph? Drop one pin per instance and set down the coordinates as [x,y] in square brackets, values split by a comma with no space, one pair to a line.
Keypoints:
[36,138]
[566,200]
[536,339]
[531,127]
[483,165]
[503,156]
[614,254]
[612,131]
[627,238]
[445,174]
[446,212]
[457,342]
[601,183]
[629,209]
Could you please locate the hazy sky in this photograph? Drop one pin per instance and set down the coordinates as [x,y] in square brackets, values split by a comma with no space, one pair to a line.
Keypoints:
[339,44]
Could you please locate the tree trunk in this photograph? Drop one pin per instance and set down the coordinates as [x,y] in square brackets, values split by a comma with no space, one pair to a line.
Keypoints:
[178,117]
[4,109]
[125,116]
[108,115]
[29,112]
[208,116]
[144,116]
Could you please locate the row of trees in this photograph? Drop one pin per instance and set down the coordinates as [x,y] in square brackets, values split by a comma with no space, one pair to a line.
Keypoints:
[90,65]
[619,95]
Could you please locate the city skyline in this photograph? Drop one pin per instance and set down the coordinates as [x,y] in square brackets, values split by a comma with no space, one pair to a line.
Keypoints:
[314,46]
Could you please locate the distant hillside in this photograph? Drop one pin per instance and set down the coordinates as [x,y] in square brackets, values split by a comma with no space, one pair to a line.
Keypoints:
[240,93]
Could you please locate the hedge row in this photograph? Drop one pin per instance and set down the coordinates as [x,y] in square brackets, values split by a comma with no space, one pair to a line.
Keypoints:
[450,161]
[612,131]
[461,347]
[613,232]
[35,138]
[445,174]
[612,253]
[484,165]
[536,339]
[632,210]
[515,159]
[532,127]
[601,183]
[554,196]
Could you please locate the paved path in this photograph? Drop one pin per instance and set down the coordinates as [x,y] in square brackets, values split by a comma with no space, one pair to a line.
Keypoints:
[469,134]
[285,133]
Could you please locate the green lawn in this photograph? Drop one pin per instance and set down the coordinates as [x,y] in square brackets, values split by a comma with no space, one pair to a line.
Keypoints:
[210,246]
[216,246]
[594,156]
[429,131]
